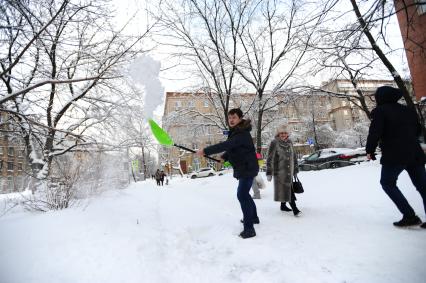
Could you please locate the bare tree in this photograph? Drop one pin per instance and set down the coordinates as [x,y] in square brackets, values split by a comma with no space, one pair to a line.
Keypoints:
[357,47]
[202,32]
[274,47]
[60,77]
[254,44]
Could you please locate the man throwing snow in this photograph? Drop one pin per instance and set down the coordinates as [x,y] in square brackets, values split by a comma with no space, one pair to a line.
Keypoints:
[396,128]
[240,152]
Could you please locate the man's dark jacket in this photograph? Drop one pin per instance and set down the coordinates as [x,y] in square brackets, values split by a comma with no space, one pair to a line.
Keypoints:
[239,150]
[395,127]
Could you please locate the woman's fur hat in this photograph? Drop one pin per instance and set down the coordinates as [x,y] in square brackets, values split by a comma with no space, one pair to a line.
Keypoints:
[280,129]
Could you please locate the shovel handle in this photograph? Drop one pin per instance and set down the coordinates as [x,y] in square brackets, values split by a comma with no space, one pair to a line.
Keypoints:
[193,151]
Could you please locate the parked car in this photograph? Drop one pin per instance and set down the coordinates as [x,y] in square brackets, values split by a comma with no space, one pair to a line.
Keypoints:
[332,158]
[203,172]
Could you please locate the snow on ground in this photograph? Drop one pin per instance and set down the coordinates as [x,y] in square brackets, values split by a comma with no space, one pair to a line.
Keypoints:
[187,232]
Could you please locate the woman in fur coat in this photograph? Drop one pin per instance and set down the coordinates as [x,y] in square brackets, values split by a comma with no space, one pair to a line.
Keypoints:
[282,164]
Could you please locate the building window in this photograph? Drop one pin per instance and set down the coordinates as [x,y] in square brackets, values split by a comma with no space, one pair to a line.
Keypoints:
[296,128]
[19,166]
[20,153]
[10,186]
[10,151]
[10,166]
[178,105]
[1,150]
[191,104]
[206,103]
[1,165]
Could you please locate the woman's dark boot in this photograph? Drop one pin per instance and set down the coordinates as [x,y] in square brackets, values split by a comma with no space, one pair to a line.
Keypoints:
[284,207]
[296,211]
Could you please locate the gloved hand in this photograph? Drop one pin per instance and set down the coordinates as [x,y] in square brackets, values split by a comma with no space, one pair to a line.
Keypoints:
[269,178]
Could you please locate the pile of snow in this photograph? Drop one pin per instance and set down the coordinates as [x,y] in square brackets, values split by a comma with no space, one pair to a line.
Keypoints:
[187,232]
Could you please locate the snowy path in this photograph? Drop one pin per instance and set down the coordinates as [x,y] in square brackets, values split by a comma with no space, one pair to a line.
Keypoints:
[187,232]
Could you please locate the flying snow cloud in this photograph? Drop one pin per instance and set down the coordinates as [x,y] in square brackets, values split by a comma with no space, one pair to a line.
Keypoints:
[144,71]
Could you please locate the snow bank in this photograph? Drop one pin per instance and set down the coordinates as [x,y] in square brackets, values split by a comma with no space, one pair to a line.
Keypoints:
[187,232]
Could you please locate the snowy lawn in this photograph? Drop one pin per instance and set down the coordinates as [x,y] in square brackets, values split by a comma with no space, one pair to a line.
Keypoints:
[187,232]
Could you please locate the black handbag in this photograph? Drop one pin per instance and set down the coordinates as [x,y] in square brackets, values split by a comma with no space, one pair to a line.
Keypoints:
[297,186]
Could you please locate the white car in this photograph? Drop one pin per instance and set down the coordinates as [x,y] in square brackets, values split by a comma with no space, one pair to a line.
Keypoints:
[203,172]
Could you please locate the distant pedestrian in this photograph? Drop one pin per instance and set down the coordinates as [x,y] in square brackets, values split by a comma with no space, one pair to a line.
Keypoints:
[162,176]
[395,128]
[158,177]
[240,152]
[282,165]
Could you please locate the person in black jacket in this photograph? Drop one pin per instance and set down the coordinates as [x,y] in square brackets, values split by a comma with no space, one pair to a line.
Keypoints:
[395,127]
[240,152]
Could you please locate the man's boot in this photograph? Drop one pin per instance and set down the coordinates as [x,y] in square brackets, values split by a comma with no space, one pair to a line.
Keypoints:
[248,233]
[408,221]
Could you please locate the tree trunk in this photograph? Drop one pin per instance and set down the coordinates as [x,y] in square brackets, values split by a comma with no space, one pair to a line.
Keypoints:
[316,145]
[259,130]
[397,78]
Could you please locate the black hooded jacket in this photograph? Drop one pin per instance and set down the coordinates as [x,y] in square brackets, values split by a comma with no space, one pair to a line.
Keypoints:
[396,129]
[239,150]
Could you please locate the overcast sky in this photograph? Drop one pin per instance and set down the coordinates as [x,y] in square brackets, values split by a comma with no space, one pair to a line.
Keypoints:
[175,79]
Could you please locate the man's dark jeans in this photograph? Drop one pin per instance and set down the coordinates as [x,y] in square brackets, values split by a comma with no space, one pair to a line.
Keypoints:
[388,179]
[247,204]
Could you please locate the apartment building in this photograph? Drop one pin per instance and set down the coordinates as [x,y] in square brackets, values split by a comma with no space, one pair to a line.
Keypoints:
[412,23]
[13,162]
[188,118]
[189,121]
[344,113]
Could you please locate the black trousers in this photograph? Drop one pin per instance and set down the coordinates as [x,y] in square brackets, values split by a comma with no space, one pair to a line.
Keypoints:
[248,206]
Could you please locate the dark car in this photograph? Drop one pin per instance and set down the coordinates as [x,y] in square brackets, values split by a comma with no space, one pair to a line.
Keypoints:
[332,158]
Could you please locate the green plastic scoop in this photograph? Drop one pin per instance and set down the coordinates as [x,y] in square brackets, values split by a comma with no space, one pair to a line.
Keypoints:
[162,137]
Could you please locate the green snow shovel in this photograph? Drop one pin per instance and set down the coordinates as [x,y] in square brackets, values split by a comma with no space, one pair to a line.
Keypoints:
[164,139]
